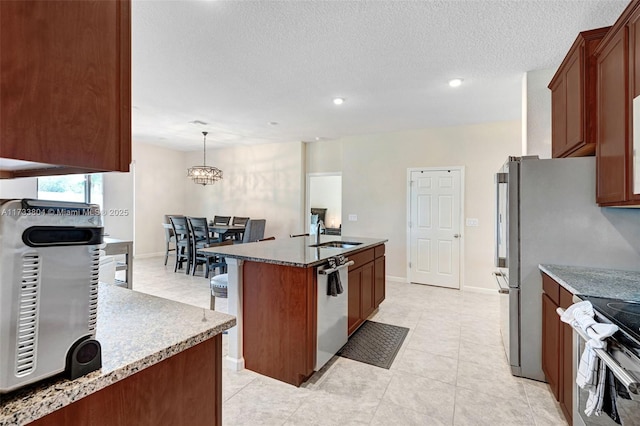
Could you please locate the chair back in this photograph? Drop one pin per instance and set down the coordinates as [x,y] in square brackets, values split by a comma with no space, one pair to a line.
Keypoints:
[268,239]
[254,230]
[199,229]
[239,220]
[180,228]
[221,220]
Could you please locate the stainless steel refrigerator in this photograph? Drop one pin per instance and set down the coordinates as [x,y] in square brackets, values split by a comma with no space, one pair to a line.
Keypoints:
[547,213]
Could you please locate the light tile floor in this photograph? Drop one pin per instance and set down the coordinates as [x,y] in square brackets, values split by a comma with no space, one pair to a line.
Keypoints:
[451,369]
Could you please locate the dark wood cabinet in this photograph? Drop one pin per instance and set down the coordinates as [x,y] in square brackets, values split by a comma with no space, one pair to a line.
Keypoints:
[65,79]
[551,344]
[613,113]
[618,63]
[184,389]
[557,345]
[573,98]
[366,285]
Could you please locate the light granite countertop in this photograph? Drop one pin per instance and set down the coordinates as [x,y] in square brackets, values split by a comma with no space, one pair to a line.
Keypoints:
[611,283]
[136,331]
[293,251]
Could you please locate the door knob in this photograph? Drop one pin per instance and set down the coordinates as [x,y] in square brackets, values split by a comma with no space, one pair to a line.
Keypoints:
[456,235]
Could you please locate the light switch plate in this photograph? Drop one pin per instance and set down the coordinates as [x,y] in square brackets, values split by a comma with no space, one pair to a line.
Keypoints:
[472,221]
[353,217]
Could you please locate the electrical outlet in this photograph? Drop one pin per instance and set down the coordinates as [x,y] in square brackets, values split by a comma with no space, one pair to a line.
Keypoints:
[471,221]
[353,218]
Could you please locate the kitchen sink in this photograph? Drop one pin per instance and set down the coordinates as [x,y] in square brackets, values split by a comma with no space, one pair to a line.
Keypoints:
[336,244]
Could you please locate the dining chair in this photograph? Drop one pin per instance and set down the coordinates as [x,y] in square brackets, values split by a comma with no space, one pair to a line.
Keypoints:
[216,261]
[239,221]
[221,220]
[183,242]
[169,237]
[200,238]
[268,239]
[254,231]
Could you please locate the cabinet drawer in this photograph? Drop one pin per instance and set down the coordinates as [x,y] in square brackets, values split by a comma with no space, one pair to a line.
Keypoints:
[379,250]
[551,288]
[361,257]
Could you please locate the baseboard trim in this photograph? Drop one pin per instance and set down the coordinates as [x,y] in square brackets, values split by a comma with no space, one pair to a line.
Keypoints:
[396,279]
[472,289]
[148,255]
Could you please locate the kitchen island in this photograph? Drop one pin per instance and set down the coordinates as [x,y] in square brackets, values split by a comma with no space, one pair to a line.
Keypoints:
[161,364]
[273,292]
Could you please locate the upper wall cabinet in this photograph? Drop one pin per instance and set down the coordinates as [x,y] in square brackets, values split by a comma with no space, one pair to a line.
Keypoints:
[618,68]
[65,79]
[573,98]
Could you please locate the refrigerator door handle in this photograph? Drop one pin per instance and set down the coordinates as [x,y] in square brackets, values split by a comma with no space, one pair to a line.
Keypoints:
[500,261]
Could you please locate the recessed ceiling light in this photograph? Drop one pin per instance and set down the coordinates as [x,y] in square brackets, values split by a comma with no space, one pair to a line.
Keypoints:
[200,122]
[273,123]
[338,101]
[456,82]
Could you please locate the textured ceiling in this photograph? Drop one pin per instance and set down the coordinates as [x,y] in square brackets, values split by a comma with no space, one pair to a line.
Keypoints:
[238,65]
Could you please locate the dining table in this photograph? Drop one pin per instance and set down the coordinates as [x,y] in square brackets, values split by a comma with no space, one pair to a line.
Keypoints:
[226,231]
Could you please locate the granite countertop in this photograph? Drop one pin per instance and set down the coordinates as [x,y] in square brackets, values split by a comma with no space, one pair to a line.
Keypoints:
[136,331]
[293,251]
[611,283]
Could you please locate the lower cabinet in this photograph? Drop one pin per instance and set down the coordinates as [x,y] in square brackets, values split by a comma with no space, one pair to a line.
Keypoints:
[557,344]
[184,389]
[366,285]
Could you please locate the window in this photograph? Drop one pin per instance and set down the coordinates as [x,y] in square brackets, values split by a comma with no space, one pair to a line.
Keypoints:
[80,188]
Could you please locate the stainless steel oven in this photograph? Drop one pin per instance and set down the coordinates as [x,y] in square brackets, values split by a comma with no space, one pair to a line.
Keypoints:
[622,359]
[626,368]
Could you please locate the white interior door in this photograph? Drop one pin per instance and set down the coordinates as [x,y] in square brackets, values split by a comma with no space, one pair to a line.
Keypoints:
[435,228]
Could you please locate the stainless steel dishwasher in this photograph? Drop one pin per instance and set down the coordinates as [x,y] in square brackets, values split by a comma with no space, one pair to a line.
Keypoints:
[332,314]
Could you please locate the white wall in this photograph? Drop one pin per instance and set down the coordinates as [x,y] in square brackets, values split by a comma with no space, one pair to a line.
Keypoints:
[259,181]
[374,181]
[159,189]
[537,114]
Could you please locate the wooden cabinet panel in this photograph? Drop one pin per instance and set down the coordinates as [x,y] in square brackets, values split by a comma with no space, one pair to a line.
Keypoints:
[551,288]
[379,277]
[185,389]
[573,93]
[354,303]
[613,111]
[558,123]
[634,81]
[367,296]
[551,344]
[65,78]
[279,308]
[574,85]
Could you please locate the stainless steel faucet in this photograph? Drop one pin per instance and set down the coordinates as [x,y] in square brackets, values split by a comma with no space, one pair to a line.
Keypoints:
[319,227]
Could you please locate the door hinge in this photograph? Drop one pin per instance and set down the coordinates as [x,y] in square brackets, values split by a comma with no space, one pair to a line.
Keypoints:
[409,264]
[409,225]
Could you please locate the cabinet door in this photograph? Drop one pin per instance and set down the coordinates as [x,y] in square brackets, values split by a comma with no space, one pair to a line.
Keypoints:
[551,344]
[558,122]
[354,309]
[613,116]
[367,290]
[633,152]
[65,69]
[574,85]
[379,280]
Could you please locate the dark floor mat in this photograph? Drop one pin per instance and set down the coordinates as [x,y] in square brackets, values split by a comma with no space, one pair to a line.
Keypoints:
[374,343]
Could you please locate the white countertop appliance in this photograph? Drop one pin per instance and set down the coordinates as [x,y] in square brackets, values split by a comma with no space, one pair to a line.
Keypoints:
[49,258]
[547,213]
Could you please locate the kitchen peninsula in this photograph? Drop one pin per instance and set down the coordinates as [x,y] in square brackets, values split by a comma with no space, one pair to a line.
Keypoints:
[273,292]
[161,364]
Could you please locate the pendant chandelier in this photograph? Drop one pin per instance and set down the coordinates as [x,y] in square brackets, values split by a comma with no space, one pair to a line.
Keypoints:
[204,175]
